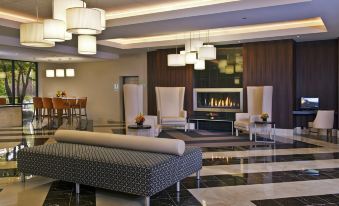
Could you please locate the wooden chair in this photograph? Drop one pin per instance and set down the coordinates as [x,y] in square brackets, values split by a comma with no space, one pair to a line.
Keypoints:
[81,105]
[38,108]
[61,107]
[48,107]
[3,101]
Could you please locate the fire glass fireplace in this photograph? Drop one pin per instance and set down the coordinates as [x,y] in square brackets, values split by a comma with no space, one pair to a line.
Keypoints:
[218,99]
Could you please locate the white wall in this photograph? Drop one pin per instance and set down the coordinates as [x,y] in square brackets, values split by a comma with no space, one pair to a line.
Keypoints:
[95,80]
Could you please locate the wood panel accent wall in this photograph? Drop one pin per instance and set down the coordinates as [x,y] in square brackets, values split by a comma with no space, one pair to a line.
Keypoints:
[316,73]
[271,63]
[159,74]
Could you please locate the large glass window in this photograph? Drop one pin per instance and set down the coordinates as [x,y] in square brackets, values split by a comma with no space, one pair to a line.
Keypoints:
[19,85]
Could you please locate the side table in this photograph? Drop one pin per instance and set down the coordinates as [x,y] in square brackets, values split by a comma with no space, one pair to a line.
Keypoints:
[267,131]
[139,130]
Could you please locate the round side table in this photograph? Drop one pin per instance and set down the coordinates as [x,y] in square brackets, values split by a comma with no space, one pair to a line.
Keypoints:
[139,130]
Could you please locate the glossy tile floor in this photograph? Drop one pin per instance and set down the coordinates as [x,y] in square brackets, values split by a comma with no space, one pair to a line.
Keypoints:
[297,170]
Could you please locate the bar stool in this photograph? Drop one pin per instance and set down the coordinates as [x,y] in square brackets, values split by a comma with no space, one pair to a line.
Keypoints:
[72,104]
[48,106]
[82,105]
[2,101]
[38,108]
[60,106]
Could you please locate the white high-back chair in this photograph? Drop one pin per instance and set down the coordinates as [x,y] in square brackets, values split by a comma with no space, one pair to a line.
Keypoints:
[324,120]
[133,102]
[259,101]
[170,106]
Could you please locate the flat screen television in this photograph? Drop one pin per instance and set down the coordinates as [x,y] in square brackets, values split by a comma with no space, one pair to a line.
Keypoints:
[309,103]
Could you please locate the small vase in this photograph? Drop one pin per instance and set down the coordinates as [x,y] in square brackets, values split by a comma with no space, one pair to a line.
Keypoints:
[140,124]
[264,119]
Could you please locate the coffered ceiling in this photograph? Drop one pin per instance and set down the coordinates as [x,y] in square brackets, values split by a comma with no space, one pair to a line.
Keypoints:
[139,25]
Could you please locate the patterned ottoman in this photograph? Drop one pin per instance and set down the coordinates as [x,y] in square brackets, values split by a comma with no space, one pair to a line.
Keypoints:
[129,171]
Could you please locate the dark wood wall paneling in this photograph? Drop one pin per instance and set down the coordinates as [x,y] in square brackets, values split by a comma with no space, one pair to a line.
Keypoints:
[271,63]
[159,74]
[316,74]
[293,69]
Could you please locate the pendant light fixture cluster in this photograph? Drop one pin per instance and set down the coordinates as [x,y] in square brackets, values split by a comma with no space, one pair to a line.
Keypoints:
[195,53]
[69,17]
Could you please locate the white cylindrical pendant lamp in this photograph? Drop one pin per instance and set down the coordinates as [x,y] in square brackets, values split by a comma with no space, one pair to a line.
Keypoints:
[176,60]
[87,44]
[83,21]
[59,11]
[207,52]
[193,45]
[199,65]
[103,18]
[54,30]
[32,34]
[191,57]
[68,35]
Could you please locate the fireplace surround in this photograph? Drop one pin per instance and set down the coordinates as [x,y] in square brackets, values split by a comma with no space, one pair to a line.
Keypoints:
[218,99]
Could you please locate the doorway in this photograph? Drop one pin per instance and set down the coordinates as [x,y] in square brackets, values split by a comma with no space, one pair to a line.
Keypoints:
[126,80]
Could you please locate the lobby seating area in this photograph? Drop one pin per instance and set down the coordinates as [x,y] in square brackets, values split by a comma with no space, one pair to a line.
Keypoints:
[169,103]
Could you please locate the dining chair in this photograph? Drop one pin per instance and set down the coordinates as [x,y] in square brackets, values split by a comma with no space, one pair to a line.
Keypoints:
[61,108]
[2,101]
[81,105]
[48,107]
[38,109]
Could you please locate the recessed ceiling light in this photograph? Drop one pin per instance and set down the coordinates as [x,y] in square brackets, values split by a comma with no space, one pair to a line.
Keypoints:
[244,18]
[219,33]
[163,7]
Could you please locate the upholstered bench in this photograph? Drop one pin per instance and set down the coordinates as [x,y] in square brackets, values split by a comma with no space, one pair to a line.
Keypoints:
[131,171]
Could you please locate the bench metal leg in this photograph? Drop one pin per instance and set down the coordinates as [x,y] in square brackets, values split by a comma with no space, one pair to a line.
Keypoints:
[147,201]
[178,186]
[198,175]
[77,188]
[22,177]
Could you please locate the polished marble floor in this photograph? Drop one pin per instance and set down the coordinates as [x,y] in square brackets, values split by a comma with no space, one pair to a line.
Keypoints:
[297,170]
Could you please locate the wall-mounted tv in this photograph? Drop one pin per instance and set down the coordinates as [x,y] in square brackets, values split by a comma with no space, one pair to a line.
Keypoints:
[309,103]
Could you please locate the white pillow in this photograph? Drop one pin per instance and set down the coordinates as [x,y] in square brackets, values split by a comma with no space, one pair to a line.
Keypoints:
[147,144]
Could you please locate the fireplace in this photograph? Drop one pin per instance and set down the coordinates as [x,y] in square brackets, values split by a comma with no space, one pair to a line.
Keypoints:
[218,99]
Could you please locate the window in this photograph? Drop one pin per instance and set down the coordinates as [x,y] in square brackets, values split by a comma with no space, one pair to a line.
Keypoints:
[20,83]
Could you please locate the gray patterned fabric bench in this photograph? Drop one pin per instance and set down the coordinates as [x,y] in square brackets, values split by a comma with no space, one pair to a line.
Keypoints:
[128,171]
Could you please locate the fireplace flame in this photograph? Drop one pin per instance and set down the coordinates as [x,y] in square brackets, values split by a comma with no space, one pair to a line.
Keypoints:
[214,102]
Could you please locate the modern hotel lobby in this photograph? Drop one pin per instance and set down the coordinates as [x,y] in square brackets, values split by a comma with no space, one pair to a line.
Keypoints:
[169,103]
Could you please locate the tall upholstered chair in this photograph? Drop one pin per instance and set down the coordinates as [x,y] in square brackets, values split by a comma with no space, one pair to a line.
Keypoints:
[323,121]
[259,100]
[133,103]
[170,106]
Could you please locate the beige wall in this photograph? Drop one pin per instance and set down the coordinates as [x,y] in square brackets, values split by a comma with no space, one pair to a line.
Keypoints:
[95,80]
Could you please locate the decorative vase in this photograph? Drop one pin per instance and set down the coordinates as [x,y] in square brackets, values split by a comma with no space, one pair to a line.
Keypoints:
[140,124]
[264,119]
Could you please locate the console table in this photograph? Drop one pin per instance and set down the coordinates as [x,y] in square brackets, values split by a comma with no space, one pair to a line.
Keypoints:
[269,129]
[210,119]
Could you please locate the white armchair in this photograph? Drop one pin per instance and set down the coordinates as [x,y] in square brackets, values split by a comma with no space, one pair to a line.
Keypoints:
[170,106]
[133,102]
[323,121]
[259,100]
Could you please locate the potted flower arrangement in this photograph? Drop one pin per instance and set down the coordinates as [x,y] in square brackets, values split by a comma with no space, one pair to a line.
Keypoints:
[140,119]
[264,117]
[60,94]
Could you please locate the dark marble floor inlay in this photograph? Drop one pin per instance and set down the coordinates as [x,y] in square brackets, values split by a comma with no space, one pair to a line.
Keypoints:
[317,200]
[260,178]
[268,159]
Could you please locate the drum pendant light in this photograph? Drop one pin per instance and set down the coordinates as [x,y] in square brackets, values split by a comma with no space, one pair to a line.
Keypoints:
[87,44]
[208,51]
[199,65]
[82,20]
[32,34]
[103,18]
[54,30]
